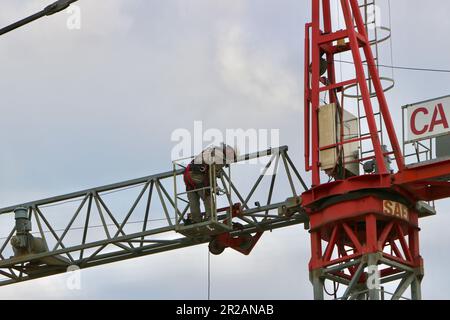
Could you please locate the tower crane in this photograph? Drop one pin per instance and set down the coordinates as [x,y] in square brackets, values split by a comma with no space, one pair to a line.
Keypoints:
[362,209]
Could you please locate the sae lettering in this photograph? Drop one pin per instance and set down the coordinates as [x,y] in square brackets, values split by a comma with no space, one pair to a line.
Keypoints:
[395,209]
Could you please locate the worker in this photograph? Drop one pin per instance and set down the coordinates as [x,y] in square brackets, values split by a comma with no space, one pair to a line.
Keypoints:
[197,178]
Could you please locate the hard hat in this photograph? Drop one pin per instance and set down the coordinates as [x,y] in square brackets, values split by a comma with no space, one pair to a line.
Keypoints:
[220,155]
[230,153]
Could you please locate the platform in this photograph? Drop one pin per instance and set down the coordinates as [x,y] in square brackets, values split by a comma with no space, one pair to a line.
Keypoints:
[206,228]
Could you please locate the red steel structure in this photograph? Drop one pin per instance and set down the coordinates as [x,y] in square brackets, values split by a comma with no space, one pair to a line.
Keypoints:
[364,228]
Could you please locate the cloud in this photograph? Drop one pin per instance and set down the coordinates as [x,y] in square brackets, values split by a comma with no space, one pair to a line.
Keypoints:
[106,18]
[98,105]
[249,72]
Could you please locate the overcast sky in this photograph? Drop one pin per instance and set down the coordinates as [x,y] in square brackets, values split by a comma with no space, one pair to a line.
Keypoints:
[82,108]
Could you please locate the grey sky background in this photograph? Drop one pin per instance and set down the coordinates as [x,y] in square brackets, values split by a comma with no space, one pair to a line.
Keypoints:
[98,105]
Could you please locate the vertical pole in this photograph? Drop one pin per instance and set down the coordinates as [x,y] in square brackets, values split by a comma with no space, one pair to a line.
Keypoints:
[307,98]
[230,190]
[175,192]
[316,33]
[416,288]
[413,239]
[328,28]
[212,190]
[403,134]
[318,283]
[371,234]
[315,274]
[373,282]
[316,250]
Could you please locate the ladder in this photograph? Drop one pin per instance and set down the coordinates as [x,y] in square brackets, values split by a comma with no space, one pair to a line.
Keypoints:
[375,31]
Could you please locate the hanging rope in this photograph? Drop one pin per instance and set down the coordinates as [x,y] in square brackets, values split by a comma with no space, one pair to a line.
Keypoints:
[209,275]
[390,39]
[335,290]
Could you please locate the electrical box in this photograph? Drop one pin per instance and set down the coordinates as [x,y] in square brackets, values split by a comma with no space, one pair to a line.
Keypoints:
[443,146]
[330,135]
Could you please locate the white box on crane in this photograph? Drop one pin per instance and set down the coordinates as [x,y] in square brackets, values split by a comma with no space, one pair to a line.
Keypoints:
[330,136]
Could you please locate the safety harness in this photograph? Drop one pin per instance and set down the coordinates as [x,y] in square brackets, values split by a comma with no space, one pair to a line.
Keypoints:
[196,168]
[202,169]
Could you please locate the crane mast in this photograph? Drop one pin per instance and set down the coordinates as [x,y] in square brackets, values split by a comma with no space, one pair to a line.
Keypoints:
[364,225]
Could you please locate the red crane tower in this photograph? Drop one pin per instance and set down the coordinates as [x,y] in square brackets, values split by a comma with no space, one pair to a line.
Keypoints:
[364,227]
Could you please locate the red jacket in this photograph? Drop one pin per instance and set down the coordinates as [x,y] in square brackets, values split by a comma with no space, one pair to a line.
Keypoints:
[190,183]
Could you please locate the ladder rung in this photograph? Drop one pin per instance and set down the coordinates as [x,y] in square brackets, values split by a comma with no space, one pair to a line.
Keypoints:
[334,36]
[375,114]
[339,85]
[374,58]
[368,134]
[366,4]
[331,146]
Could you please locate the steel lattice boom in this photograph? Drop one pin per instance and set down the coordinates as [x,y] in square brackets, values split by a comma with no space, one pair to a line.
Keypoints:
[108,235]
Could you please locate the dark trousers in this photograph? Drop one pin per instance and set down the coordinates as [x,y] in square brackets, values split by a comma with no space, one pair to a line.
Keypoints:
[194,204]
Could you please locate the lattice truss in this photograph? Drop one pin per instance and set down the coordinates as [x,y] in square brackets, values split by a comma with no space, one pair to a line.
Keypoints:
[346,263]
[137,217]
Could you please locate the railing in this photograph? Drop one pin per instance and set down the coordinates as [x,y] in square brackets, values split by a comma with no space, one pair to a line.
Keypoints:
[416,152]
[210,223]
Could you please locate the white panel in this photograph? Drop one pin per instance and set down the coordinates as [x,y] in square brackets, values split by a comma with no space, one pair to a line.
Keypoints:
[428,119]
[329,134]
